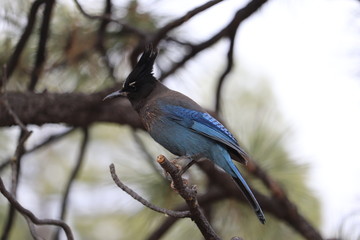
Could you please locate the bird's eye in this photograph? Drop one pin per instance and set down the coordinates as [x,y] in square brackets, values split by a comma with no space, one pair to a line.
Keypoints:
[132,86]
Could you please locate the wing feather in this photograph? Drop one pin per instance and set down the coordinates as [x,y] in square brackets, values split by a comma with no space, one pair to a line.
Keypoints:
[204,124]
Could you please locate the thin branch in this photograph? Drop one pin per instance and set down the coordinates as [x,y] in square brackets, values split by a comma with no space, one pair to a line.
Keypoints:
[240,16]
[156,37]
[44,143]
[6,101]
[43,39]
[282,207]
[27,213]
[125,27]
[189,195]
[133,194]
[32,229]
[73,176]
[15,160]
[229,66]
[290,211]
[163,31]
[101,38]
[14,59]
[142,148]
[15,175]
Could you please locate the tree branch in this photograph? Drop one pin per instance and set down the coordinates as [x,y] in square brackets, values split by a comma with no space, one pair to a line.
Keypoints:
[290,212]
[15,175]
[189,195]
[176,214]
[15,161]
[240,16]
[163,31]
[73,176]
[284,210]
[27,213]
[45,142]
[75,109]
[14,59]
[43,39]
[125,27]
[230,63]
[210,197]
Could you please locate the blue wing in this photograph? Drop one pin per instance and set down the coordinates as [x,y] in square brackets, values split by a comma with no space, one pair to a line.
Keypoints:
[205,124]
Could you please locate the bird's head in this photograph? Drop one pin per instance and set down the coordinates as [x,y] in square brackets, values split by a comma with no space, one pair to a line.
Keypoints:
[141,80]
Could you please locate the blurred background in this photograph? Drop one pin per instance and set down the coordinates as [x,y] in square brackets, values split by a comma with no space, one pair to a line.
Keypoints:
[292,98]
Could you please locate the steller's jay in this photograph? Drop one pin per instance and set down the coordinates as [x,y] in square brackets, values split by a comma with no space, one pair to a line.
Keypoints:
[181,125]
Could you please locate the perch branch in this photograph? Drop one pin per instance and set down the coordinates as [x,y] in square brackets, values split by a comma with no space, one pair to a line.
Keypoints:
[189,195]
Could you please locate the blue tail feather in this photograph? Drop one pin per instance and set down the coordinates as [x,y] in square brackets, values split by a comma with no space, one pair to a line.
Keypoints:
[245,189]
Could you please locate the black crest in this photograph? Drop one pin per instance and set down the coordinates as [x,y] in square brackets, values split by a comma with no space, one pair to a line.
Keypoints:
[143,70]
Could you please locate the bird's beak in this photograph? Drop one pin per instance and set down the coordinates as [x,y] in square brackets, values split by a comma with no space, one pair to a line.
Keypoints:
[115,95]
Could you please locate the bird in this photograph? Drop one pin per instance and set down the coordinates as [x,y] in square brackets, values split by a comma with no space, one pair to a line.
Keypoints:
[181,125]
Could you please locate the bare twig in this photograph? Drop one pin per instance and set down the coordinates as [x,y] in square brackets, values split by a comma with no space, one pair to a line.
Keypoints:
[189,195]
[15,175]
[125,27]
[43,39]
[13,60]
[161,34]
[101,38]
[6,102]
[163,31]
[44,143]
[176,214]
[15,160]
[72,177]
[240,16]
[32,229]
[230,63]
[27,213]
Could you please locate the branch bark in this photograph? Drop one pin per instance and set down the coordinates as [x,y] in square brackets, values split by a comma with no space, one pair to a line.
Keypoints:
[75,109]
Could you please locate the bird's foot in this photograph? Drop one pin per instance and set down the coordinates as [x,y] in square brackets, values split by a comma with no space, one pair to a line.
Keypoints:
[193,160]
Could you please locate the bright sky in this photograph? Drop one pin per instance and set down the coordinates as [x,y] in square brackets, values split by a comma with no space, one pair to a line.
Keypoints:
[310,52]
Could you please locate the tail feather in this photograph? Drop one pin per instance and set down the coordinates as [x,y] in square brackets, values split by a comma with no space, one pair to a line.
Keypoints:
[225,162]
[245,189]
